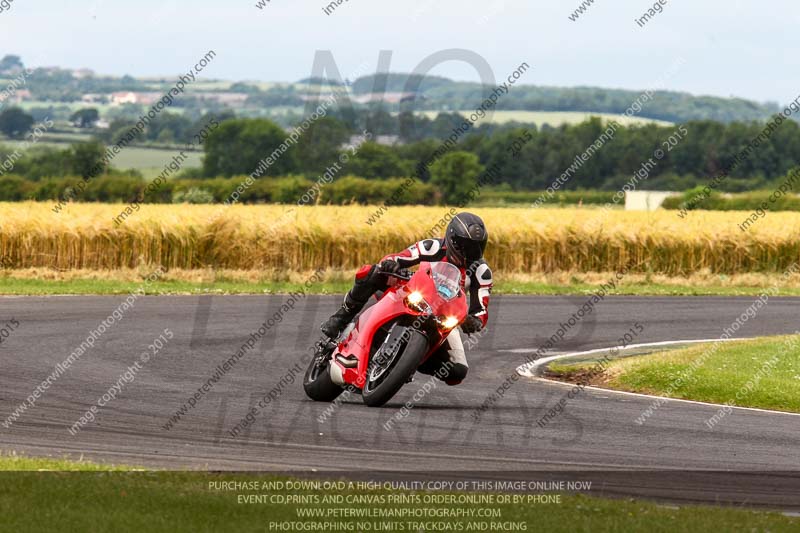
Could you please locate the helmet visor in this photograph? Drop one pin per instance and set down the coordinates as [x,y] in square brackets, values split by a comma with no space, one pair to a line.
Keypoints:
[467,250]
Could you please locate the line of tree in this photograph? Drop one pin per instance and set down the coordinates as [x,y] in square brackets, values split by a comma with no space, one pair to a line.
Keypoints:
[165,128]
[42,161]
[239,146]
[704,151]
[284,189]
[124,188]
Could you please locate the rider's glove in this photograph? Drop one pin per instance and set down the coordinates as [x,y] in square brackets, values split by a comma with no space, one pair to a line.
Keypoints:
[472,324]
[389,266]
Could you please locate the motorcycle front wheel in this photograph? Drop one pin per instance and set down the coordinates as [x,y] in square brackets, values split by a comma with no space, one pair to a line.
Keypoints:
[388,372]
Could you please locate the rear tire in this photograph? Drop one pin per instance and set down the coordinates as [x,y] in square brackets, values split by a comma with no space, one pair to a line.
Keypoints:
[318,384]
[403,367]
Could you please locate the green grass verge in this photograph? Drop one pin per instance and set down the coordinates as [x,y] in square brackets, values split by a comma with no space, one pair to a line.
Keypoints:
[34,287]
[22,463]
[762,373]
[187,501]
[636,289]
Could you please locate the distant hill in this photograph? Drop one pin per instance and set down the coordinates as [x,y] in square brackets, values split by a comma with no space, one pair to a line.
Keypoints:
[47,86]
[319,81]
[442,94]
[397,83]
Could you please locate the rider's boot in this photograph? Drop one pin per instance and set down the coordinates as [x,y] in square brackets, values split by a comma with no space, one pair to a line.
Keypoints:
[343,316]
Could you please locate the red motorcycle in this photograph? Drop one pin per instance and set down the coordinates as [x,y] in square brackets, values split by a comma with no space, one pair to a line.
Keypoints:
[381,350]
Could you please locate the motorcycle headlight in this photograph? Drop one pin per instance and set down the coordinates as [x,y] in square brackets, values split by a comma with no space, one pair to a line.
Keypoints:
[415,298]
[416,302]
[447,322]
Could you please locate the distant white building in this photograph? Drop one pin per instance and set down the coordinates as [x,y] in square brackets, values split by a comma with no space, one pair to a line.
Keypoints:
[120,98]
[386,140]
[81,73]
[16,97]
[94,98]
[646,200]
[130,97]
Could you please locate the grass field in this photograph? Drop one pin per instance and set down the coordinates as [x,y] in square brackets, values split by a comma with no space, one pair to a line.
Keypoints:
[85,499]
[149,161]
[65,137]
[60,142]
[46,281]
[556,118]
[521,241]
[762,373]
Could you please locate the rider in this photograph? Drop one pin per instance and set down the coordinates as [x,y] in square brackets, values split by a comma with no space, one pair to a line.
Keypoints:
[463,245]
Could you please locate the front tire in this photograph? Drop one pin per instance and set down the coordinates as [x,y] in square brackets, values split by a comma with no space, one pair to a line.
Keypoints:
[318,383]
[378,391]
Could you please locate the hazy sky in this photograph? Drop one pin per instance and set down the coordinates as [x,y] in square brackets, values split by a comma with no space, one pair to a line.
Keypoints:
[739,47]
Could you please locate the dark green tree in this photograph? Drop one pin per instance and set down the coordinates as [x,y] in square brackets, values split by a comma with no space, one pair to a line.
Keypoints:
[10,63]
[15,122]
[320,144]
[373,160]
[239,146]
[408,126]
[42,161]
[86,159]
[119,129]
[85,118]
[454,174]
[417,154]
[169,127]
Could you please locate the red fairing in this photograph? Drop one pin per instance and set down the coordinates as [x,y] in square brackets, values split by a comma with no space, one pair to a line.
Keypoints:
[480,279]
[359,342]
[363,272]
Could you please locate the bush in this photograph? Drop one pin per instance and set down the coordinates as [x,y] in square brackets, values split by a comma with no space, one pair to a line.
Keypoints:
[696,198]
[15,189]
[497,195]
[194,195]
[735,202]
[354,190]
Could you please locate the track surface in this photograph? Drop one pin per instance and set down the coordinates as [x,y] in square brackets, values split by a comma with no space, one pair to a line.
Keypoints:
[596,431]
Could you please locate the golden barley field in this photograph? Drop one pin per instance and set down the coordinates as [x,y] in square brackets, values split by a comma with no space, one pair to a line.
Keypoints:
[522,240]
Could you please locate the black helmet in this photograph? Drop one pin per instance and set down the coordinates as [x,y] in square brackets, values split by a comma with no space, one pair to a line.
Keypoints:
[465,239]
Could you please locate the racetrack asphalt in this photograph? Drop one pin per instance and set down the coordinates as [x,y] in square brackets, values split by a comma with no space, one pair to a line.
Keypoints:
[597,431]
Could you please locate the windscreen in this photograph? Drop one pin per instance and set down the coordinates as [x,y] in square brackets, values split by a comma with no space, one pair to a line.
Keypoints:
[447,279]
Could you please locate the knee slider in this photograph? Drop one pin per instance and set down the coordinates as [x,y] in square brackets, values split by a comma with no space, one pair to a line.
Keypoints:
[456,374]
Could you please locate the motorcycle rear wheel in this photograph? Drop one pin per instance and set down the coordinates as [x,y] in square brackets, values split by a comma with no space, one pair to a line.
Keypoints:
[403,366]
[318,383]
